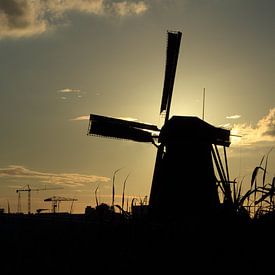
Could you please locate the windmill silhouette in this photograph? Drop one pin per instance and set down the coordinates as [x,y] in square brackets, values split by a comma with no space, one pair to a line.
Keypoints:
[184,180]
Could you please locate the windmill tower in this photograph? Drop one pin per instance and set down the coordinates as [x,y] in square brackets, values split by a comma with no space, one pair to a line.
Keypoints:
[184,180]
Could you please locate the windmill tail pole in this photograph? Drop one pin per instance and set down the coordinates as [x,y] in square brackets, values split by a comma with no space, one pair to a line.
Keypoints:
[224,180]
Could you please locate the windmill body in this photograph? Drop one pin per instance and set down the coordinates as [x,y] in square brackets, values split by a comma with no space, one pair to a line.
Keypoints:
[183,180]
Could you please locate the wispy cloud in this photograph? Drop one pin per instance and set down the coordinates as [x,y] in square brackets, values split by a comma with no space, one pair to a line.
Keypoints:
[79,118]
[263,131]
[69,90]
[129,8]
[87,117]
[233,117]
[128,118]
[70,93]
[73,179]
[24,18]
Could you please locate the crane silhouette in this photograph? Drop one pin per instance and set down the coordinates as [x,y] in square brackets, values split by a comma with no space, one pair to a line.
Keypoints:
[29,190]
[56,200]
[184,180]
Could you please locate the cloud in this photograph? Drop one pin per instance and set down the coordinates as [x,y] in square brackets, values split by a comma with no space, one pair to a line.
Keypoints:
[264,131]
[69,90]
[127,8]
[128,118]
[73,179]
[87,117]
[80,118]
[233,117]
[21,18]
[24,18]
[71,93]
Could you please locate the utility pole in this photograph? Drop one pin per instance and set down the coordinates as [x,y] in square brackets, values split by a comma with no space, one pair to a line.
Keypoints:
[203,103]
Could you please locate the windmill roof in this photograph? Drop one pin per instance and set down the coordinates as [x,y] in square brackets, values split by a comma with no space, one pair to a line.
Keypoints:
[193,129]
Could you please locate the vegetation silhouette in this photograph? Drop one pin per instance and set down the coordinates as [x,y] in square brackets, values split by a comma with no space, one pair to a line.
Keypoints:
[106,238]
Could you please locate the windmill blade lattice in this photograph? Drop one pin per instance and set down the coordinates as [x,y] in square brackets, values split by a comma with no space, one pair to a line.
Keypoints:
[121,129]
[172,53]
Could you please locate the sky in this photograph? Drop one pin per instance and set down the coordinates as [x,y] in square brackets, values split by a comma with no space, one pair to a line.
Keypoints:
[63,60]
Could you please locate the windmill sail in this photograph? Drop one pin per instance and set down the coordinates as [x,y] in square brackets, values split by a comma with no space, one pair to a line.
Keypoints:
[121,129]
[172,53]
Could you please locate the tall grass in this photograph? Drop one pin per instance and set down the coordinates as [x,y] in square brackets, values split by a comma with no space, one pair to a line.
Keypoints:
[259,198]
[96,196]
[113,187]
[123,192]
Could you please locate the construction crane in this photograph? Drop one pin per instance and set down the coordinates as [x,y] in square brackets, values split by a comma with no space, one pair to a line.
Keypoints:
[56,200]
[27,188]
[39,210]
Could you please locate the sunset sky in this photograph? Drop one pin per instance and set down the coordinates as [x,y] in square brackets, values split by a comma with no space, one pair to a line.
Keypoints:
[62,60]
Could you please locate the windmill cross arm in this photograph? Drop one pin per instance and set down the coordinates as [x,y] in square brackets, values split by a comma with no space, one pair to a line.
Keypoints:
[121,129]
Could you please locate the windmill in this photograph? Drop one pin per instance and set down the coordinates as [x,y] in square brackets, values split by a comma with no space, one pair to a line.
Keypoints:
[184,180]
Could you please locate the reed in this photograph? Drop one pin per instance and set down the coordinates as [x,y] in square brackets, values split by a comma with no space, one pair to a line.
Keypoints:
[259,198]
[96,196]
[113,187]
[123,192]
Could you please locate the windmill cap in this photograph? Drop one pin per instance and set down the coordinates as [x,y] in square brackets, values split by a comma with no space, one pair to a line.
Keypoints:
[192,130]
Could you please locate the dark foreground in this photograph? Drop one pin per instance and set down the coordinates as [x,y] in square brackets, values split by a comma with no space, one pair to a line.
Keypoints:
[83,244]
